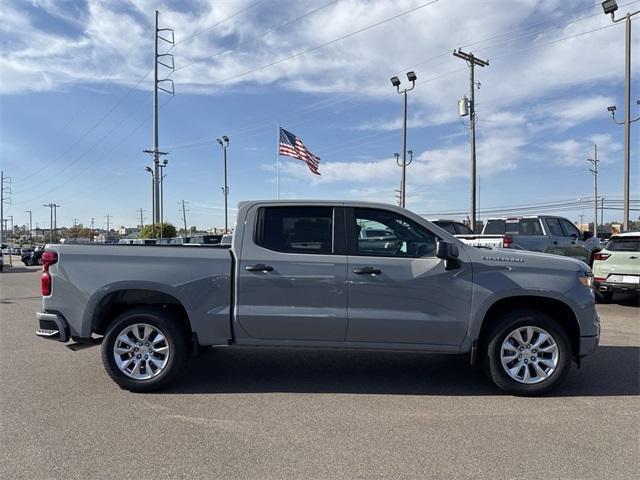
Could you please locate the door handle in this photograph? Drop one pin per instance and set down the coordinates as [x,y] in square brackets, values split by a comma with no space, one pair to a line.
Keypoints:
[260,267]
[367,271]
[555,243]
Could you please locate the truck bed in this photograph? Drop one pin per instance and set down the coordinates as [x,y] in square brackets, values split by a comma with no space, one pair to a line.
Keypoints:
[87,276]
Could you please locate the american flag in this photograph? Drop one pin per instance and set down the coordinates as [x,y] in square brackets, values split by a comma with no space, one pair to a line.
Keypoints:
[292,146]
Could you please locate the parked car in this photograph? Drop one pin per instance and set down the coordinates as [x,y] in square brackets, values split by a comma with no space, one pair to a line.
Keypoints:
[299,274]
[1,261]
[226,239]
[32,257]
[466,235]
[547,234]
[616,268]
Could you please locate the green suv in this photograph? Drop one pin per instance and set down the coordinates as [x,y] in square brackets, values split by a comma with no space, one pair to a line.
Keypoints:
[616,268]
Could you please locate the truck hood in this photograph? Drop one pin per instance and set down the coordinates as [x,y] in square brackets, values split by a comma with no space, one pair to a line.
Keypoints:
[525,259]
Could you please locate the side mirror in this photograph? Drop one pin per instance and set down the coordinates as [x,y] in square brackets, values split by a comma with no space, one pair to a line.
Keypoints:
[449,253]
[587,235]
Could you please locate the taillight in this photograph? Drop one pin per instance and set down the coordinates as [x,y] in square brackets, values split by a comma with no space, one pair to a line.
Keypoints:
[601,256]
[48,259]
[507,240]
[45,283]
[599,279]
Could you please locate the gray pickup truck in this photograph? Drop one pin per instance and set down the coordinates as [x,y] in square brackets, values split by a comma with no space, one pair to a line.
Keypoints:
[307,274]
[545,233]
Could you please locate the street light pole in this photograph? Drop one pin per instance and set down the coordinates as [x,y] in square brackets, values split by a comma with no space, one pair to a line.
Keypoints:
[153,203]
[610,7]
[594,161]
[395,81]
[224,143]
[30,229]
[162,175]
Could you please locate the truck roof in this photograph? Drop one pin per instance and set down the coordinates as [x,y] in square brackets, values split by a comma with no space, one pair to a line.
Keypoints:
[351,203]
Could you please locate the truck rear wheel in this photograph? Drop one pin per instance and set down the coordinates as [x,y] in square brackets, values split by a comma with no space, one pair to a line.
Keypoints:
[527,353]
[144,349]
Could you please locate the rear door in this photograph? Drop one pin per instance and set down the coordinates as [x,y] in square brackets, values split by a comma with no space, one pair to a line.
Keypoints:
[292,274]
[559,244]
[399,291]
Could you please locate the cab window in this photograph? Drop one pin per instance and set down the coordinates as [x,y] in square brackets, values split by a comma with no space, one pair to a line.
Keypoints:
[393,235]
[296,229]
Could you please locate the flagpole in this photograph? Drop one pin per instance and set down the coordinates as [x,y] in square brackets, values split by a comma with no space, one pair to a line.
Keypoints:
[278,161]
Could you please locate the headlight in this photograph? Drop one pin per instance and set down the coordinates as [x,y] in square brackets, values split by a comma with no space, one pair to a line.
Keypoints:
[586,279]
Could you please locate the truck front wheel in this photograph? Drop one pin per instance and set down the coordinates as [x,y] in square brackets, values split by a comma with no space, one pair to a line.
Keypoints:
[527,353]
[144,349]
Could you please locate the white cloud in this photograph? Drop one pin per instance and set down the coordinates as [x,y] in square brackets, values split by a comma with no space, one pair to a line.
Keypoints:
[574,152]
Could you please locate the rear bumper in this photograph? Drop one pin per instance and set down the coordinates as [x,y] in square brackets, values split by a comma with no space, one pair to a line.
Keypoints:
[52,326]
[616,287]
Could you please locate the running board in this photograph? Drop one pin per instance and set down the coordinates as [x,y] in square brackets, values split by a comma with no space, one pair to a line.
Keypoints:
[91,342]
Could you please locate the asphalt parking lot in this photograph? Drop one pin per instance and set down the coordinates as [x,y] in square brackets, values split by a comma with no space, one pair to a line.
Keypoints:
[250,413]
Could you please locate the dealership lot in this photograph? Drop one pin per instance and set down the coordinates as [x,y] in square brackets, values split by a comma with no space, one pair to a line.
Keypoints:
[251,413]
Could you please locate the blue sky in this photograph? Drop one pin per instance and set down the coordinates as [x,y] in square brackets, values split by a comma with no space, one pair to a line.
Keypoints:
[76,104]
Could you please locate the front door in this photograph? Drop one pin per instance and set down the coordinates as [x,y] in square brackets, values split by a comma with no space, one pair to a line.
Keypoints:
[399,291]
[292,275]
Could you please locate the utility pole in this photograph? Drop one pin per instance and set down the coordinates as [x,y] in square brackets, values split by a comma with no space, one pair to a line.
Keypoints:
[184,217]
[594,171]
[141,220]
[159,59]
[4,190]
[30,218]
[224,143]
[472,61]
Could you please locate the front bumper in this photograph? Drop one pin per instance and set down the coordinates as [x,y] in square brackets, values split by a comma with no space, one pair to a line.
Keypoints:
[588,345]
[52,327]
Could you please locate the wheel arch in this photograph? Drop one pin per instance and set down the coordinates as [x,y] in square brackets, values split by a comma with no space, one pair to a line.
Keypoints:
[554,308]
[119,300]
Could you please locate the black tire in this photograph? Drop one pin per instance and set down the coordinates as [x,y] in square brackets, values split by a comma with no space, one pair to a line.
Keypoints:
[176,339]
[603,297]
[498,333]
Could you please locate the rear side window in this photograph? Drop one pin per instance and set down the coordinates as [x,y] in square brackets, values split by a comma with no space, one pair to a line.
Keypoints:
[494,227]
[569,228]
[554,227]
[296,229]
[447,226]
[462,229]
[624,244]
[514,226]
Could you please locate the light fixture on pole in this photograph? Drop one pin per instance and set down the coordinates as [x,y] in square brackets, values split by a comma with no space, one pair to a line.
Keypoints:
[395,81]
[610,7]
[224,143]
